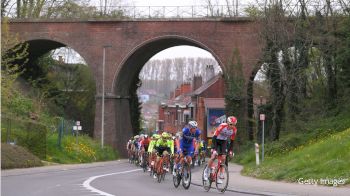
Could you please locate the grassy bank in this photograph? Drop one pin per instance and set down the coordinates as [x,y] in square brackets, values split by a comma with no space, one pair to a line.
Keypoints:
[83,150]
[321,151]
[327,158]
[27,122]
[13,156]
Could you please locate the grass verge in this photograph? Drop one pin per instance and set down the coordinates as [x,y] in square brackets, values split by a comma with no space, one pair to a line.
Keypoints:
[83,150]
[328,158]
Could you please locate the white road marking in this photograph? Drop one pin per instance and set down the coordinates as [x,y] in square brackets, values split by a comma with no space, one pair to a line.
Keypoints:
[87,182]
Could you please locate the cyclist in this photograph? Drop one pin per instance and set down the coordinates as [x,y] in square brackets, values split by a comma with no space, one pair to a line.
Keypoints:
[222,133]
[152,151]
[144,142]
[128,147]
[163,147]
[134,147]
[187,145]
[202,150]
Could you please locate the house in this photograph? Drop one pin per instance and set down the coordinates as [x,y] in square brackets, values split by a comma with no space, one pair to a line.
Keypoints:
[201,102]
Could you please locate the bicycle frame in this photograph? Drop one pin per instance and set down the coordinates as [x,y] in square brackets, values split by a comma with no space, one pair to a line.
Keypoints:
[216,169]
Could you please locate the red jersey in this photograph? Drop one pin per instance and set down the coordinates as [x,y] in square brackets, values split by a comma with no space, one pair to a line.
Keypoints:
[145,142]
[223,132]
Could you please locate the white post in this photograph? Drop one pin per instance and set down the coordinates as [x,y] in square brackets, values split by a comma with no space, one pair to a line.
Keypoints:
[257,154]
[263,141]
[262,118]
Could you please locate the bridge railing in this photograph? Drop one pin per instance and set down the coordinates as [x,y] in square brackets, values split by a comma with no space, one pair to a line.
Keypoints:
[174,12]
[198,11]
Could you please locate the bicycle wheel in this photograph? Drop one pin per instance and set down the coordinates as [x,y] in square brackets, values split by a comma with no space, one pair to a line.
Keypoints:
[206,182]
[164,165]
[186,176]
[160,172]
[176,178]
[222,178]
[144,163]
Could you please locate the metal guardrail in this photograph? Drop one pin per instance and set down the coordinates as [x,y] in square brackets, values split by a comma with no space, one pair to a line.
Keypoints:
[197,11]
[179,11]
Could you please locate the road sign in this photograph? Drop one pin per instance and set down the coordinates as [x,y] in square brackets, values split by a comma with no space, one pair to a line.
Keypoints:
[262,117]
[78,123]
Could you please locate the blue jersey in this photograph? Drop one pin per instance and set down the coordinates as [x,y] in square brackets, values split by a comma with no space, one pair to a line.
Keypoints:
[187,136]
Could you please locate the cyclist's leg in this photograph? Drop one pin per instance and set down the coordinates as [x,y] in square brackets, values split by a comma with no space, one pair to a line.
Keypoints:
[190,154]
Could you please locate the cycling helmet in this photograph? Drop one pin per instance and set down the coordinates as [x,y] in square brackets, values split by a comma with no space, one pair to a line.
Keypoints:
[136,137]
[164,135]
[178,135]
[232,120]
[193,124]
[146,136]
[156,136]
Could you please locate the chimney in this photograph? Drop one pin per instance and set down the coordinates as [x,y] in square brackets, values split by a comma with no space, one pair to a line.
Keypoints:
[197,82]
[177,91]
[185,88]
[209,72]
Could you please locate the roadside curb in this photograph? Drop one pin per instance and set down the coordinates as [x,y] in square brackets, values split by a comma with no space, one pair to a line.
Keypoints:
[247,192]
[58,168]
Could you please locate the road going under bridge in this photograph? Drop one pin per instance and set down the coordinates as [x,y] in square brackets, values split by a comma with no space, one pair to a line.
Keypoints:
[132,43]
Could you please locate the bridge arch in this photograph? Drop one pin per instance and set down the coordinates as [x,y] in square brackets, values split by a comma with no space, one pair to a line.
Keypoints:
[132,64]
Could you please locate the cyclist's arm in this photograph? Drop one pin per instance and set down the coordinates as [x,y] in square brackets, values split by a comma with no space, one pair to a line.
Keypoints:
[231,145]
[177,143]
[150,147]
[214,142]
[171,146]
[186,134]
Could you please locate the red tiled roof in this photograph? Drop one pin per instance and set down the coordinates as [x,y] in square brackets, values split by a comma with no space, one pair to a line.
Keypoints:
[182,100]
[214,102]
[206,85]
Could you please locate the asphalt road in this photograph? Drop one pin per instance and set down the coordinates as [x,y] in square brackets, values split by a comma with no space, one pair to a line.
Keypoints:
[116,178]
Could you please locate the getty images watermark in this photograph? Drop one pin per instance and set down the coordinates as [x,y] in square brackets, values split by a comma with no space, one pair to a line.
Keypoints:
[323,181]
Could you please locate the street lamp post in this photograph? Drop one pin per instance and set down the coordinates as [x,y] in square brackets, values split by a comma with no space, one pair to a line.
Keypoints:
[103,95]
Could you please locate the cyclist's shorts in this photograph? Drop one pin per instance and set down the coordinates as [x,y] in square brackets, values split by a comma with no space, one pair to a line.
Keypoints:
[221,146]
[161,150]
[187,149]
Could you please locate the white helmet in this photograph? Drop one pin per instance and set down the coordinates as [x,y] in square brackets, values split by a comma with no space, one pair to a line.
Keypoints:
[193,124]
[178,135]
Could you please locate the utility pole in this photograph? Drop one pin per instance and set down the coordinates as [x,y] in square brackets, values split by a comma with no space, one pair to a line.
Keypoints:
[103,94]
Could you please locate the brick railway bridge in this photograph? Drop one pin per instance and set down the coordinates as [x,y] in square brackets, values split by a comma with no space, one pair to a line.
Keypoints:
[133,43]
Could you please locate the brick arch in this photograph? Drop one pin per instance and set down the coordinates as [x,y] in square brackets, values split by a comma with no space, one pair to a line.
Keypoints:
[133,63]
[129,68]
[40,46]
